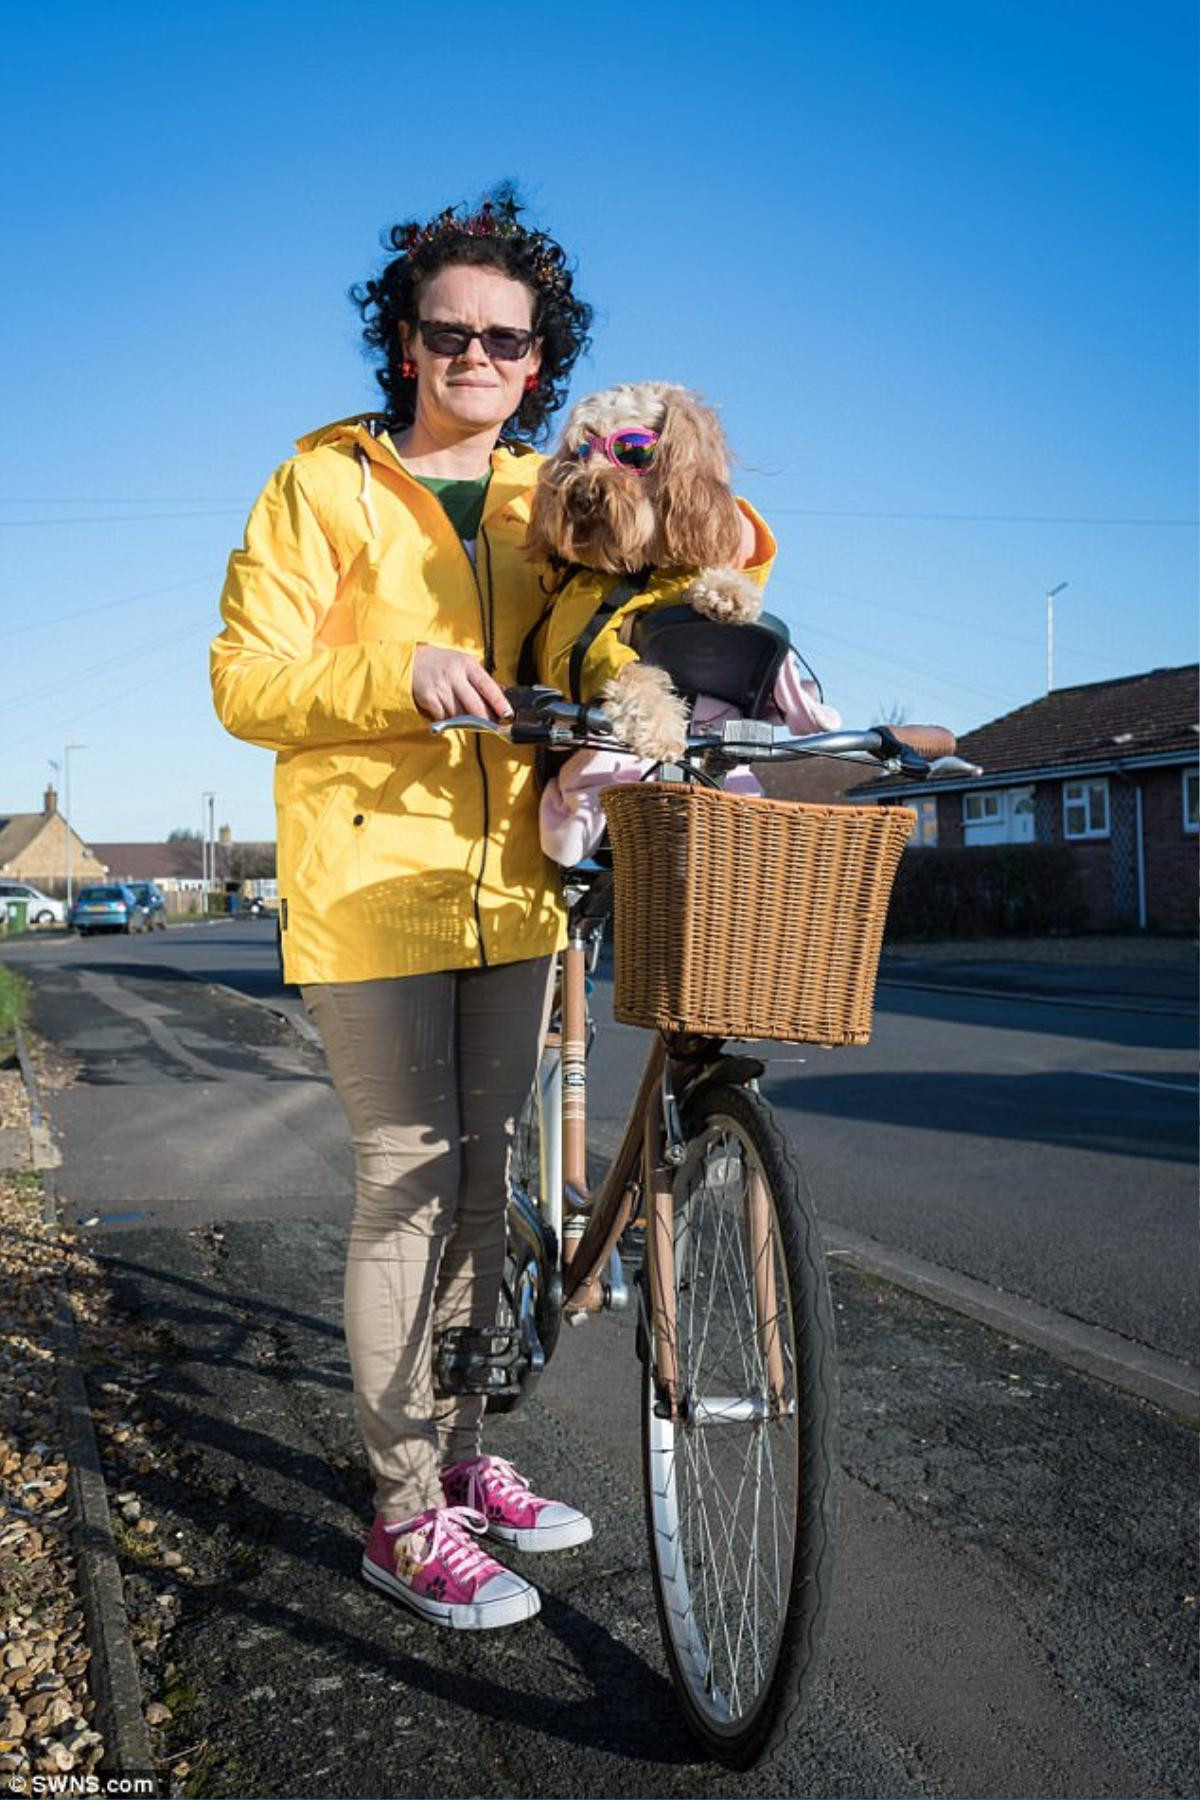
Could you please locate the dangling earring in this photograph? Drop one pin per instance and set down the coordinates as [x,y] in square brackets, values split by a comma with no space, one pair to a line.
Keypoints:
[531,382]
[408,370]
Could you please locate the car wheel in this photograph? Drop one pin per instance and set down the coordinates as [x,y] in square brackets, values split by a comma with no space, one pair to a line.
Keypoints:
[45,917]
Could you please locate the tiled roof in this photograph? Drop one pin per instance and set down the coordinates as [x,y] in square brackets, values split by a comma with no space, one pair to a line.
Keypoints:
[1100,722]
[182,860]
[818,780]
[1134,716]
[17,832]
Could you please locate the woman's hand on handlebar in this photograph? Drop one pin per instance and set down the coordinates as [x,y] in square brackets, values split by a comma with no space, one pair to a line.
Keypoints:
[447,683]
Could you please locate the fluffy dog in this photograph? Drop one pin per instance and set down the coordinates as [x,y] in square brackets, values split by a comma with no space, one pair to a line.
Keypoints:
[618,541]
[674,525]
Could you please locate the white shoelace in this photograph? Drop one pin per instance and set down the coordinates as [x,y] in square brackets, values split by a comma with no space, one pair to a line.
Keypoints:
[449,1537]
[497,1473]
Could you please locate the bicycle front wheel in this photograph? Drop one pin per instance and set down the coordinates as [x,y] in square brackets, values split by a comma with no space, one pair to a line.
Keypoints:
[740,1497]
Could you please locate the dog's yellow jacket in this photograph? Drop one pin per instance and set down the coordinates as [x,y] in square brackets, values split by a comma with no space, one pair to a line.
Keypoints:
[399,853]
[609,652]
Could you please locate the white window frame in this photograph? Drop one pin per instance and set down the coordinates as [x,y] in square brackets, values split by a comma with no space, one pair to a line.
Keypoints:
[925,831]
[1079,793]
[1191,778]
[990,807]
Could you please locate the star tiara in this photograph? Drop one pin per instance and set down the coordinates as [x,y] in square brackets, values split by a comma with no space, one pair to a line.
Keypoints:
[491,221]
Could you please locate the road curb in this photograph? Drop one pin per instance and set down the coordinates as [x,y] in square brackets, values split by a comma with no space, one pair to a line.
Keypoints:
[1127,1003]
[112,1672]
[1145,1373]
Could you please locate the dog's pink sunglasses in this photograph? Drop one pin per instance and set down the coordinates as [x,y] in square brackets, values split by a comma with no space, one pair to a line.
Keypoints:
[632,450]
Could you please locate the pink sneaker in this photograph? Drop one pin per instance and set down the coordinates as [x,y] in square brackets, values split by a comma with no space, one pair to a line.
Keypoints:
[514,1515]
[433,1564]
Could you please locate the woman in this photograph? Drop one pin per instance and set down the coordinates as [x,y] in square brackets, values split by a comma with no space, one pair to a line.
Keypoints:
[383,585]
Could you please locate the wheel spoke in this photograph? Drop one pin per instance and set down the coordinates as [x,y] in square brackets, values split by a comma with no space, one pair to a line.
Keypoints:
[725,1540]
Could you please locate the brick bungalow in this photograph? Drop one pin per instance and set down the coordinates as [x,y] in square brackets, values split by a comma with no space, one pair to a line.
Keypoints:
[1109,769]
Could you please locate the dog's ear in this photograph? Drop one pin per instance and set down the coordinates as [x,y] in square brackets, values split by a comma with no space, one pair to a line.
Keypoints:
[699,521]
[549,533]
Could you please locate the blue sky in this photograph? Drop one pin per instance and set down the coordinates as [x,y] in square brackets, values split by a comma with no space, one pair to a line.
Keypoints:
[936,264]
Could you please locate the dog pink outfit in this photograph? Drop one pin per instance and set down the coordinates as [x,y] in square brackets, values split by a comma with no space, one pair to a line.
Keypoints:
[571,818]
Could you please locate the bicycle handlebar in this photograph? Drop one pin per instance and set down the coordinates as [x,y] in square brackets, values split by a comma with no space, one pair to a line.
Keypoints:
[541,716]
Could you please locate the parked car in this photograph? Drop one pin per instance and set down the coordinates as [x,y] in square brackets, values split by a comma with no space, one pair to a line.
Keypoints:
[154,902]
[113,907]
[40,909]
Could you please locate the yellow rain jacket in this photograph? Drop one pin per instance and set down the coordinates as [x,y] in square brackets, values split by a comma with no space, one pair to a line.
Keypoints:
[609,650]
[399,852]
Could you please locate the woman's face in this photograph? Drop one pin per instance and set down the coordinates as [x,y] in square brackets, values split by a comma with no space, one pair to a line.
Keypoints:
[469,393]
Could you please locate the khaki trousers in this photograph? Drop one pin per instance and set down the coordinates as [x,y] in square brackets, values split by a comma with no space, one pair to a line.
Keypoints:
[432,1071]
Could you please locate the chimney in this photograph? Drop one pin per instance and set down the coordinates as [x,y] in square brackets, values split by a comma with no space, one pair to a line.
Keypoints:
[50,802]
[224,835]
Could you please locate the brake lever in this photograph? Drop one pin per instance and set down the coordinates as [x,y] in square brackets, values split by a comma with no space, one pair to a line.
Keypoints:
[954,765]
[471,722]
[898,755]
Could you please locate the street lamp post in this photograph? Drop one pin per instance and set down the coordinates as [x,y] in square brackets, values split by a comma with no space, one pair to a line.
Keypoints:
[1050,593]
[207,859]
[67,810]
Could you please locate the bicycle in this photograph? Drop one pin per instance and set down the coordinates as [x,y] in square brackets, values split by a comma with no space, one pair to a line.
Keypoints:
[735,1327]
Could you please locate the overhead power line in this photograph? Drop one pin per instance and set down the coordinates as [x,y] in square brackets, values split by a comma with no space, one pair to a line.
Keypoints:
[121,518]
[128,500]
[100,705]
[120,660]
[815,512]
[904,611]
[83,612]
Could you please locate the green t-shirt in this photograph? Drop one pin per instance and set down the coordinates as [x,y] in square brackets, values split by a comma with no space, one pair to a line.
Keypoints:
[462,502]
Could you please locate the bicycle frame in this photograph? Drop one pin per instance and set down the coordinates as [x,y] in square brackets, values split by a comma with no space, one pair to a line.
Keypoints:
[642,1168]
[580,1233]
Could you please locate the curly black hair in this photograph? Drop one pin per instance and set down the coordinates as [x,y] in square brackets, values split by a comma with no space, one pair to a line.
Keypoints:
[490,237]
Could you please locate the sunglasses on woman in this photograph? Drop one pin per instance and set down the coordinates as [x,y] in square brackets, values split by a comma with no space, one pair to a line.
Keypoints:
[633,450]
[502,343]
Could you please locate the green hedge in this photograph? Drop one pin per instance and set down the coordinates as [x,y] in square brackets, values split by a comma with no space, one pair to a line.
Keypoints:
[12,1009]
[996,890]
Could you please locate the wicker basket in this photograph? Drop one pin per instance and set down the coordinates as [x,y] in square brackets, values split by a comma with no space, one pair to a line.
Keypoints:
[749,918]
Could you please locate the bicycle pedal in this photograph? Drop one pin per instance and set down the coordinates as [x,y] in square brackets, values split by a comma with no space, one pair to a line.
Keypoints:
[479,1360]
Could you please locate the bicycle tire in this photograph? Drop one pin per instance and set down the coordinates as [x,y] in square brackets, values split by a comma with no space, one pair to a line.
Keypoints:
[736,1720]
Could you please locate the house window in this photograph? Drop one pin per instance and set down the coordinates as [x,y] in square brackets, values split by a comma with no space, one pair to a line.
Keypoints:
[924,832]
[982,809]
[1085,809]
[1191,799]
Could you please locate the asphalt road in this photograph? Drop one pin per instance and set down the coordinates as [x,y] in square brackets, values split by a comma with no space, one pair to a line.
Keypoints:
[1015,1607]
[1045,1146]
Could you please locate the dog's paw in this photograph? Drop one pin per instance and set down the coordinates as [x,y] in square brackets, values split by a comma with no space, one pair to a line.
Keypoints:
[724,595]
[646,712]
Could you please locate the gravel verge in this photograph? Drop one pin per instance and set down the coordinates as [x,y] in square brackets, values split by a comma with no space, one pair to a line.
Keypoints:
[79,1581]
[46,1708]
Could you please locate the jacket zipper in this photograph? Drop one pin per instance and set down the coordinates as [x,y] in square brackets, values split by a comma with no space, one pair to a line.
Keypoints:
[486,623]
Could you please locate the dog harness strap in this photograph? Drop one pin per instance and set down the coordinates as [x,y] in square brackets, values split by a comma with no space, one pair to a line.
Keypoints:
[612,602]
[527,662]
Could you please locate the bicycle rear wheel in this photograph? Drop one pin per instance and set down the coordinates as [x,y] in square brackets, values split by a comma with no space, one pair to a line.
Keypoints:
[740,1495]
